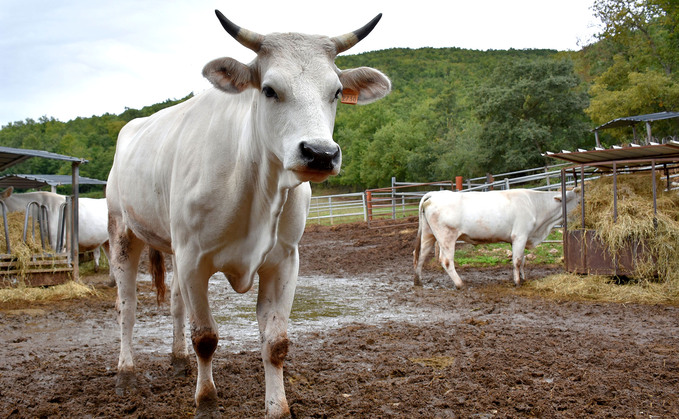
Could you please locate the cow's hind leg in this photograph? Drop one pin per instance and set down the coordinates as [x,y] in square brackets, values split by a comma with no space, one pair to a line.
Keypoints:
[274,302]
[107,252]
[96,254]
[180,354]
[426,244]
[124,260]
[447,259]
[192,279]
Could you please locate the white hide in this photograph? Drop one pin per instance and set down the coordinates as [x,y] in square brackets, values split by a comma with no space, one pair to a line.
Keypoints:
[521,217]
[221,182]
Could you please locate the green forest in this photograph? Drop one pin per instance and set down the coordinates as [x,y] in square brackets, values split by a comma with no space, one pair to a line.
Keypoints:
[454,112]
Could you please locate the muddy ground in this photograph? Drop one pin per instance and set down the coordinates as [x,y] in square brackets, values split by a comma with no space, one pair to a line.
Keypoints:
[486,351]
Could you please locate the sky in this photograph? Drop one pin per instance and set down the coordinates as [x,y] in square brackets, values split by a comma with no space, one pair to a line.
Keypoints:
[78,58]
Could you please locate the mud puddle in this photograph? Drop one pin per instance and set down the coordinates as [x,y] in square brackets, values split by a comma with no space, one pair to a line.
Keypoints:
[321,303]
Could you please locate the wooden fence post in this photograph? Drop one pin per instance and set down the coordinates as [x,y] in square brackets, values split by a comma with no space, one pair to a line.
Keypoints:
[369,199]
[458,183]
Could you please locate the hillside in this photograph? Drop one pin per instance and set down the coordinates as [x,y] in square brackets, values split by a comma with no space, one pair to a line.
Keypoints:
[428,128]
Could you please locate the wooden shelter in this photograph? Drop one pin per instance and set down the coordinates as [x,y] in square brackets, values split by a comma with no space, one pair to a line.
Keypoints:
[584,253]
[49,269]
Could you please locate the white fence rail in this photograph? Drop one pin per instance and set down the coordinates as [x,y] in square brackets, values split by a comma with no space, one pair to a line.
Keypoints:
[401,200]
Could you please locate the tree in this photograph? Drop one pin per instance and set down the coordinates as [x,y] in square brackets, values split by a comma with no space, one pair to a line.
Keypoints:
[646,29]
[529,107]
[641,76]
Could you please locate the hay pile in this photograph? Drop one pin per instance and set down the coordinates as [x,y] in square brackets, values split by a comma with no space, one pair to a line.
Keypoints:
[67,291]
[24,253]
[636,221]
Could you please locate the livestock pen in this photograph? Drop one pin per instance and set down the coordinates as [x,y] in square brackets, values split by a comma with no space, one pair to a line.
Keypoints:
[45,266]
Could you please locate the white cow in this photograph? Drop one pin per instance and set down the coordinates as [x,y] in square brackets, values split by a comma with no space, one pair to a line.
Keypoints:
[92,216]
[221,183]
[521,217]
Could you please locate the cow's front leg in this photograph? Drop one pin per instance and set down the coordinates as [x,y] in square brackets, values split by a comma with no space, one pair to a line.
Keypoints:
[274,302]
[193,283]
[518,259]
[180,353]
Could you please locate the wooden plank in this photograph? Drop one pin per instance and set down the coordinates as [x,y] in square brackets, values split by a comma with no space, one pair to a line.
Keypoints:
[35,263]
[39,280]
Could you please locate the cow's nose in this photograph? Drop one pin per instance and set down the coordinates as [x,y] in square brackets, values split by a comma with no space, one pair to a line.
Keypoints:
[318,157]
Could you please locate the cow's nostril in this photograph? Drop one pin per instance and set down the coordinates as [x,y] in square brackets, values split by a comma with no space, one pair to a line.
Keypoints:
[319,157]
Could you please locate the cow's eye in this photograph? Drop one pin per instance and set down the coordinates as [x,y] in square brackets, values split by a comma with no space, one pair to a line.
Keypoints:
[269,92]
[338,93]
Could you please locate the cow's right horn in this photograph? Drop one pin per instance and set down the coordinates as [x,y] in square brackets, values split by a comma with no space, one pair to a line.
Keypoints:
[346,41]
[247,38]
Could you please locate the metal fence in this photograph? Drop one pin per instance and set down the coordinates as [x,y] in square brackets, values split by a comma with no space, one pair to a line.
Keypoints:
[402,199]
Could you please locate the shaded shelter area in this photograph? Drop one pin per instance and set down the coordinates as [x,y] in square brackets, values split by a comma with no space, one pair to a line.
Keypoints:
[11,156]
[633,121]
[40,181]
[584,253]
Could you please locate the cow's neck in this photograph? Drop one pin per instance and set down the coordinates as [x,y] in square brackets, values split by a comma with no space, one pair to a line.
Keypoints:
[263,194]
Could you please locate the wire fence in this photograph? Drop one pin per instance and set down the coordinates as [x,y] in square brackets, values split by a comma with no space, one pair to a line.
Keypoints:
[402,199]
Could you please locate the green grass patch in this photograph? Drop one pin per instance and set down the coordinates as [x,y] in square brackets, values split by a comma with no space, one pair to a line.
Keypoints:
[501,253]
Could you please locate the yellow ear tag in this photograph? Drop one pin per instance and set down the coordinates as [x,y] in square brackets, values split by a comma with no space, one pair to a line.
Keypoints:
[349,97]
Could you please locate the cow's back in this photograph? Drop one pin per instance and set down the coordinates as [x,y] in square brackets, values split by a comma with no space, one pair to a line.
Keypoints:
[478,217]
[178,157]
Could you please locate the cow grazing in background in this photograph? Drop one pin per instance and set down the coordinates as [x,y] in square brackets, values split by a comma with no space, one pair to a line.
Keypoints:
[221,183]
[521,217]
[92,219]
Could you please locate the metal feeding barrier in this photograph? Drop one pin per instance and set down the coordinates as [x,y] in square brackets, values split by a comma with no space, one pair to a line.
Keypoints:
[45,268]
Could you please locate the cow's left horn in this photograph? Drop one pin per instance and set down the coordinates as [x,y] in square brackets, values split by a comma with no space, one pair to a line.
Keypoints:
[346,41]
[247,38]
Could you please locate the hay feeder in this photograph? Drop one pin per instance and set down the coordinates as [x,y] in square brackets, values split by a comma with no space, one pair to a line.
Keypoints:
[44,267]
[585,250]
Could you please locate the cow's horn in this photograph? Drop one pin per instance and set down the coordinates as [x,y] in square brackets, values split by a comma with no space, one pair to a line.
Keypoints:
[247,38]
[346,41]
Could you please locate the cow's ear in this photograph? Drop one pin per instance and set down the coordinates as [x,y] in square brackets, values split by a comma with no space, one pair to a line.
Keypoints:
[7,192]
[370,84]
[228,75]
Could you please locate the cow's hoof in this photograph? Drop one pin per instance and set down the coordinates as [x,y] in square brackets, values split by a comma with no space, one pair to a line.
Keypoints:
[417,282]
[180,366]
[126,382]
[208,408]
[278,411]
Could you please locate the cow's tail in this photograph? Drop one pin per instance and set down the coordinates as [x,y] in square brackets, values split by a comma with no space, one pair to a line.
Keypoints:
[157,268]
[418,239]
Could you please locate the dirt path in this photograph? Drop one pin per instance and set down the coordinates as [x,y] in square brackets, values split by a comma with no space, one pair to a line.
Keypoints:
[484,352]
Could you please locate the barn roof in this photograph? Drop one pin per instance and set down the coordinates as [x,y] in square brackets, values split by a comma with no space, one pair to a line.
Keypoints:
[10,156]
[38,181]
[633,155]
[632,120]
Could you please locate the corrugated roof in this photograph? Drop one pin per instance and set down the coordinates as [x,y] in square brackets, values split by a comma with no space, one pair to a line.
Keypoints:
[631,120]
[38,181]
[10,156]
[634,155]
